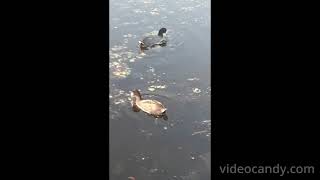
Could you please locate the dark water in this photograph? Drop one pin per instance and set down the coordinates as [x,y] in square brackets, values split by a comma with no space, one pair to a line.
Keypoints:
[177,75]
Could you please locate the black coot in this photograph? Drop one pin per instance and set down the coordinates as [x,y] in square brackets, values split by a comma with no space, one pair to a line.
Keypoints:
[154,40]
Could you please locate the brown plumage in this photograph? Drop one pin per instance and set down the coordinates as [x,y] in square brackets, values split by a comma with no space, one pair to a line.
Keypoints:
[152,107]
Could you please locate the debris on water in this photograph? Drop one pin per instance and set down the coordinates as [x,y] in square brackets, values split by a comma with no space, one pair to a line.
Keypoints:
[130,54]
[196,90]
[187,9]
[141,55]
[155,11]
[147,1]
[132,178]
[193,79]
[121,73]
[153,170]
[151,69]
[117,48]
[114,55]
[132,60]
[141,78]
[180,148]
[199,132]
[158,87]
[118,66]
[165,128]
[119,69]
[127,35]
[119,101]
[142,158]
[151,89]
[148,135]
[193,158]
[206,121]
[143,131]
[154,87]
[138,11]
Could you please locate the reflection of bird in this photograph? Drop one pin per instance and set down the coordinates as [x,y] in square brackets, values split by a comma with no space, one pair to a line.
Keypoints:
[154,40]
[151,107]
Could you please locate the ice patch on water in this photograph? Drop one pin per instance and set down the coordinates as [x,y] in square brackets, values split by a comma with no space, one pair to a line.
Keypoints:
[186,9]
[138,11]
[155,11]
[196,90]
[193,79]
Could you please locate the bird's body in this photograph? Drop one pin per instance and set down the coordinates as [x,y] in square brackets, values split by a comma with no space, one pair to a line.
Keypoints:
[154,40]
[151,107]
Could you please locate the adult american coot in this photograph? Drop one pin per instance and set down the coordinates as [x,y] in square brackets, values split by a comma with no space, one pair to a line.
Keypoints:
[154,40]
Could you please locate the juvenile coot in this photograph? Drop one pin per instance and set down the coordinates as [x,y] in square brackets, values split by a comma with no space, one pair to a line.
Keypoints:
[154,40]
[151,107]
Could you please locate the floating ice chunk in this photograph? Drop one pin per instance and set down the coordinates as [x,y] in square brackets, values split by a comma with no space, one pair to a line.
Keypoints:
[151,89]
[193,79]
[199,132]
[157,87]
[147,1]
[196,90]
[120,101]
[161,87]
[206,121]
[132,60]
[154,13]
[151,69]
[153,170]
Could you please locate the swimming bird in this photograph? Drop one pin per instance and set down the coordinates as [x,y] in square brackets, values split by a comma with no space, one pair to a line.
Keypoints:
[149,106]
[154,40]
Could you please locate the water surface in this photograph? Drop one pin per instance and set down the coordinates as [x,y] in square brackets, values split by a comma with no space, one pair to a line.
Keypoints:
[177,75]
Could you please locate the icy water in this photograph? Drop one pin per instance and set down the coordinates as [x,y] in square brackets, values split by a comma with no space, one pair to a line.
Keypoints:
[178,75]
